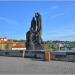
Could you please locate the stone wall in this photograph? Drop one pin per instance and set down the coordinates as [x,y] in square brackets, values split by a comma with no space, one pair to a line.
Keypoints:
[22,53]
[12,53]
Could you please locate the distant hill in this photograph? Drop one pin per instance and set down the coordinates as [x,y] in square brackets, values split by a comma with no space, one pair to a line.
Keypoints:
[19,40]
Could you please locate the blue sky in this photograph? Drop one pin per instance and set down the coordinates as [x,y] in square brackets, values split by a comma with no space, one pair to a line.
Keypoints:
[58,19]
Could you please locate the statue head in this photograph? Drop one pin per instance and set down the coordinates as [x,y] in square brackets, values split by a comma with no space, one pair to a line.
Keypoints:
[37,14]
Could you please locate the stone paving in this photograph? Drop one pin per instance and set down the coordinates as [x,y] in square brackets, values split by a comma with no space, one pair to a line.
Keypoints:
[17,65]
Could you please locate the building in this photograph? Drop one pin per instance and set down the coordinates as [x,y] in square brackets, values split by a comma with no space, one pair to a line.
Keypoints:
[18,46]
[5,44]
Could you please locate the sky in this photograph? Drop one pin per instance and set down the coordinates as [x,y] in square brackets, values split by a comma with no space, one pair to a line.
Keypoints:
[58,19]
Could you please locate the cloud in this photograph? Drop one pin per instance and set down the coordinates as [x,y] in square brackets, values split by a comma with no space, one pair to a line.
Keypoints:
[46,12]
[54,7]
[57,15]
[9,21]
[66,34]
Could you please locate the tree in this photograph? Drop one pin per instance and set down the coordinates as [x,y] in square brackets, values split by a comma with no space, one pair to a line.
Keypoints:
[6,46]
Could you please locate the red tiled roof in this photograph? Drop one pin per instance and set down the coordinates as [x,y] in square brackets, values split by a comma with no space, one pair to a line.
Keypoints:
[19,46]
[5,42]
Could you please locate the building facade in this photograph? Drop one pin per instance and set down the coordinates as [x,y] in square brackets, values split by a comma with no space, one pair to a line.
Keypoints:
[6,44]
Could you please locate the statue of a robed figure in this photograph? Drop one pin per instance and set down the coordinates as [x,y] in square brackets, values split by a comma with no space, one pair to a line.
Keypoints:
[33,36]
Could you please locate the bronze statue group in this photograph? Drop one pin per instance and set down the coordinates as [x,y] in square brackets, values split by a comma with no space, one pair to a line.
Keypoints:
[33,36]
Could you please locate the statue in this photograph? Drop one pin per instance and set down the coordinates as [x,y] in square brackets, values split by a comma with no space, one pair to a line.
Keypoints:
[33,36]
[39,28]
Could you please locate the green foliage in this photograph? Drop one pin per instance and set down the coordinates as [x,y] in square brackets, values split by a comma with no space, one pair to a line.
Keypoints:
[52,47]
[7,46]
[19,40]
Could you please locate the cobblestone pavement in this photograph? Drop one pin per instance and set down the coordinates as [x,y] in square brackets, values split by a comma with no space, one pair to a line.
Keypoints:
[16,65]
